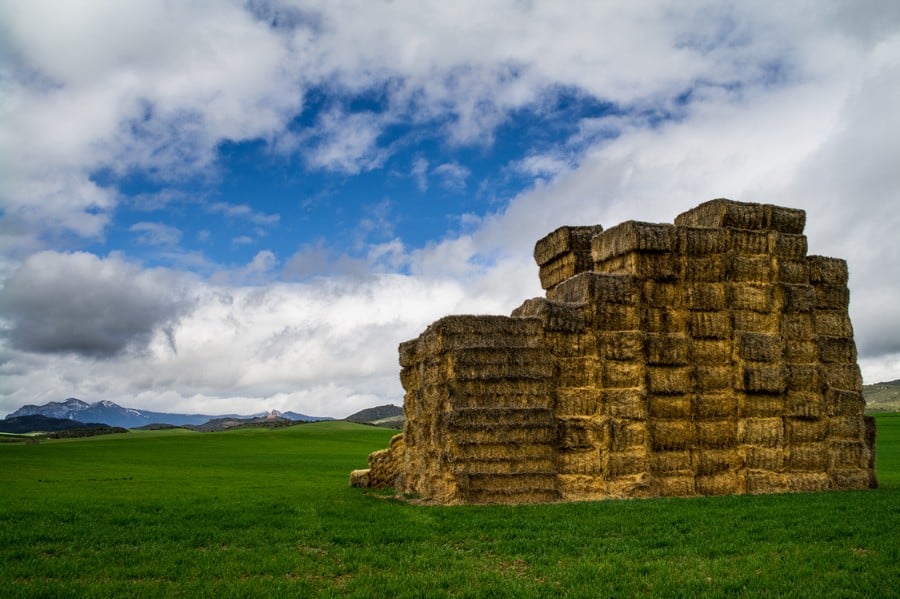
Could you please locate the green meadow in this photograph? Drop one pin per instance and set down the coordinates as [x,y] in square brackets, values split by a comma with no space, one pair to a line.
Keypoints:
[268,513]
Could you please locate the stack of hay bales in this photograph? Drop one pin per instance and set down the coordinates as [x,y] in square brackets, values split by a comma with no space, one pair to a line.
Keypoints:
[709,356]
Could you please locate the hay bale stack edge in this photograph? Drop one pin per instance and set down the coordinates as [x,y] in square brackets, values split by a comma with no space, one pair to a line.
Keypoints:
[710,356]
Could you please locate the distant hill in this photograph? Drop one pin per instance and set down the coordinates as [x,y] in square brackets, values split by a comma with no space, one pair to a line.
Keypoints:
[882,397]
[112,414]
[270,420]
[37,422]
[388,416]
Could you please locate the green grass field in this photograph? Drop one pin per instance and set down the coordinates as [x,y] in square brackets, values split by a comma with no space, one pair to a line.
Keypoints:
[269,513]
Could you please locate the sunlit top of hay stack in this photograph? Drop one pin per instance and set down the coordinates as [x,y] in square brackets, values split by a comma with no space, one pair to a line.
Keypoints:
[708,356]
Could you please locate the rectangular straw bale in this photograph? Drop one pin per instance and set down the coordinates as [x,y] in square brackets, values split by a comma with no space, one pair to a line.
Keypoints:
[577,372]
[621,345]
[786,220]
[409,353]
[595,287]
[621,374]
[797,298]
[846,427]
[764,432]
[804,404]
[668,380]
[750,268]
[644,266]
[784,245]
[665,320]
[854,478]
[627,434]
[575,433]
[565,240]
[804,377]
[583,402]
[511,482]
[712,461]
[764,378]
[757,297]
[616,317]
[800,352]
[746,242]
[807,481]
[720,213]
[833,323]
[670,461]
[847,454]
[831,271]
[667,349]
[755,322]
[831,297]
[580,487]
[488,466]
[674,485]
[711,351]
[808,457]
[662,294]
[724,483]
[571,345]
[507,435]
[798,326]
[843,402]
[712,378]
[787,270]
[670,406]
[705,296]
[716,433]
[671,434]
[555,316]
[840,350]
[760,405]
[763,458]
[625,403]
[759,347]
[559,269]
[620,463]
[500,393]
[716,405]
[504,452]
[633,236]
[475,364]
[842,376]
[410,378]
[578,462]
[762,482]
[804,430]
[702,241]
[488,417]
[630,486]
[705,268]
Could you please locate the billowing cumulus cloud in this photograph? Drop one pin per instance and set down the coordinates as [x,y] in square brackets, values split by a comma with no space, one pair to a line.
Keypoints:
[782,103]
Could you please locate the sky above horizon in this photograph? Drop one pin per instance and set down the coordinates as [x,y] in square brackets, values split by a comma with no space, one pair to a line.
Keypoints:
[231,207]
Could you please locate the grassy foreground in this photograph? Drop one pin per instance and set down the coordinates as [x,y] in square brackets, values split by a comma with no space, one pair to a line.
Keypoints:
[269,513]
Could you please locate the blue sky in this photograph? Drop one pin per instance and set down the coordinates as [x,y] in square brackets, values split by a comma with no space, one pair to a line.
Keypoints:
[240,206]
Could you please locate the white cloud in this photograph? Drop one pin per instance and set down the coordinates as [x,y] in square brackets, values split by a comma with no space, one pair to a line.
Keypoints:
[156,233]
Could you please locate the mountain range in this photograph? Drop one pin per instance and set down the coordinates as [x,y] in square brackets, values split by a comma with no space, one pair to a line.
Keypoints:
[107,412]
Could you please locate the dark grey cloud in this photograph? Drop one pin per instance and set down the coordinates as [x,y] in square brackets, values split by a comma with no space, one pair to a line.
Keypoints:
[79,303]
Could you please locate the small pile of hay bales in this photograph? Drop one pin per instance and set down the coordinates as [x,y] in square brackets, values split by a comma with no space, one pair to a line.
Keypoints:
[709,356]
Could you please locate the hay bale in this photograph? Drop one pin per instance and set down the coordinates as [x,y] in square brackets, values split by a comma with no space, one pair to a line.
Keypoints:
[578,462]
[715,461]
[713,352]
[625,435]
[574,433]
[745,269]
[565,240]
[577,487]
[763,432]
[848,479]
[830,271]
[633,236]
[668,380]
[806,430]
[667,349]
[831,297]
[807,481]
[676,485]
[832,323]
[841,350]
[797,298]
[760,405]
[769,459]
[662,294]
[705,296]
[842,376]
[578,401]
[621,463]
[631,486]
[846,427]
[798,326]
[705,268]
[359,478]
[786,270]
[799,352]
[755,297]
[713,378]
[740,215]
[807,457]
[724,483]
[593,287]
[804,377]
[764,378]
[843,402]
[621,345]
[716,433]
[804,404]
[702,242]
[625,403]
[756,322]
[759,347]
[669,462]
[666,435]
[670,406]
[617,375]
[784,245]
[616,317]
[743,243]
[715,405]
[665,320]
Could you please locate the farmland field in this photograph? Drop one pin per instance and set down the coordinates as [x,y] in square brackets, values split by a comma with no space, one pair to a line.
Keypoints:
[268,513]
